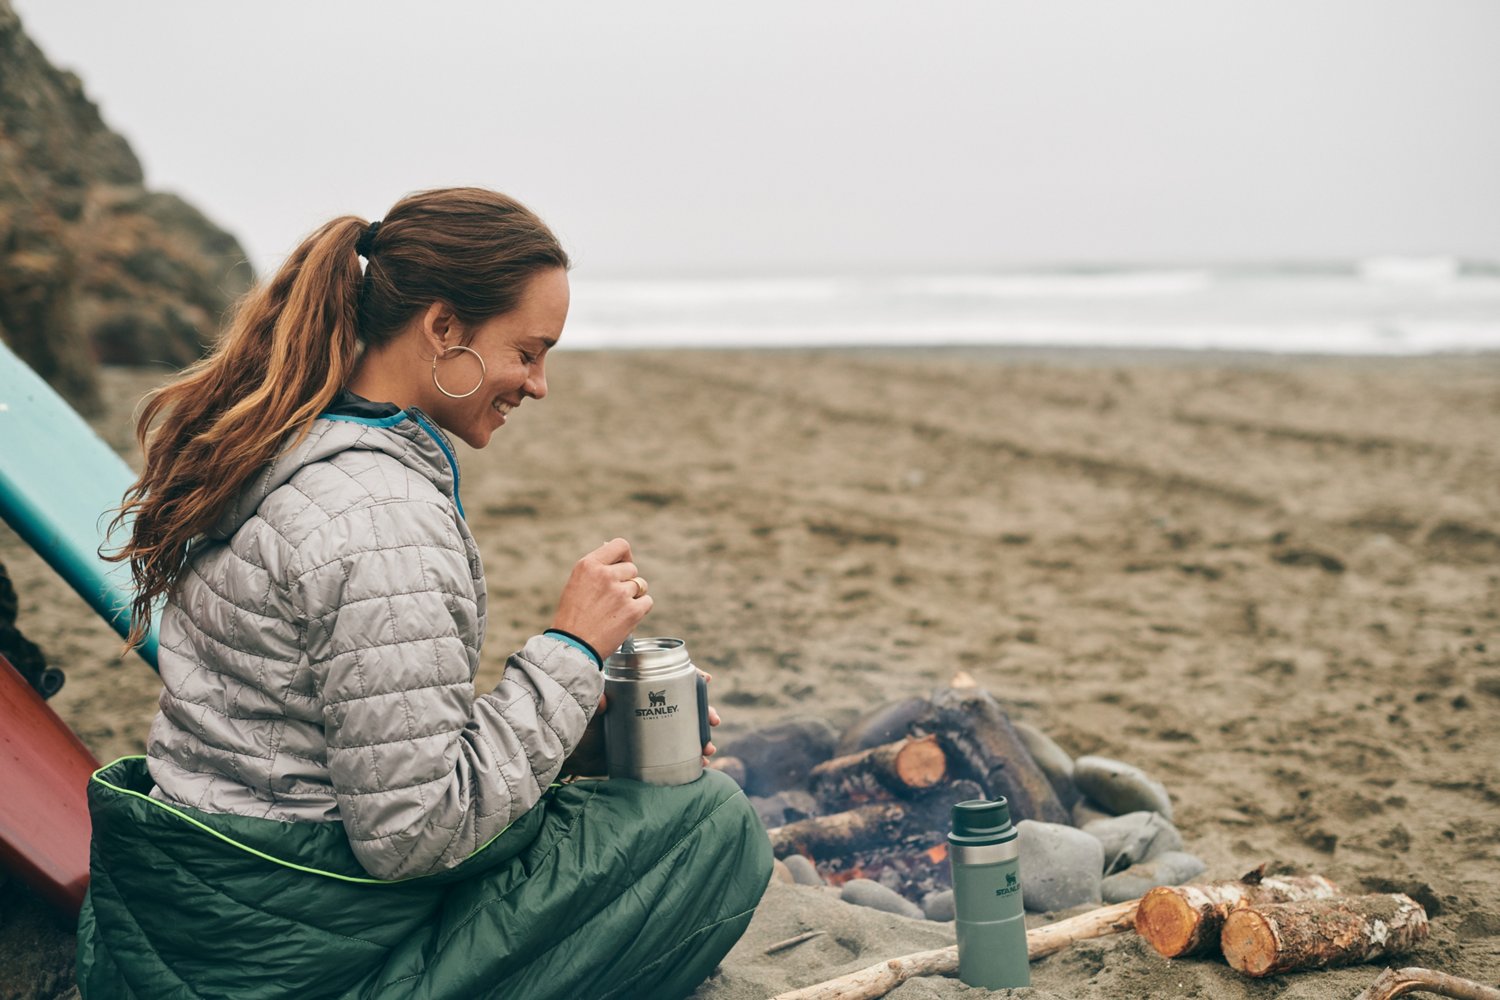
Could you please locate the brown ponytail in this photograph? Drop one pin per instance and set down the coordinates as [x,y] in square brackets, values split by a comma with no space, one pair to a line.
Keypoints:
[292,345]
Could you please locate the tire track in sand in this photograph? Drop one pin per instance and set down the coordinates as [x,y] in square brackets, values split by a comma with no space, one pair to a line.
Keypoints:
[1133,475]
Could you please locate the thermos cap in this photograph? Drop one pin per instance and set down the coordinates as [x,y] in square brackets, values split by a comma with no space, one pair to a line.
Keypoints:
[982,821]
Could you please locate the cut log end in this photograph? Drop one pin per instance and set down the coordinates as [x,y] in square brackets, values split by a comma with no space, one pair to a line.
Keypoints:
[921,763]
[1167,921]
[1249,943]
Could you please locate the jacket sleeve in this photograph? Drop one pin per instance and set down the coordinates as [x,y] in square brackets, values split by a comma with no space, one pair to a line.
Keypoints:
[424,773]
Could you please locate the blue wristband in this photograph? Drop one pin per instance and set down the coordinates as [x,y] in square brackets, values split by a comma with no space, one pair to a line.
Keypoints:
[576,643]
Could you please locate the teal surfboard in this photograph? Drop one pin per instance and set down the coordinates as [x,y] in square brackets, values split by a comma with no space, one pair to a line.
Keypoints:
[59,485]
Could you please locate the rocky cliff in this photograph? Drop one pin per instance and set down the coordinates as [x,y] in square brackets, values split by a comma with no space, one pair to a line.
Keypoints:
[93,266]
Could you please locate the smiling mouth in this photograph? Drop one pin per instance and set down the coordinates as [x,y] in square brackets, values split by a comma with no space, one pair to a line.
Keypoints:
[501,407]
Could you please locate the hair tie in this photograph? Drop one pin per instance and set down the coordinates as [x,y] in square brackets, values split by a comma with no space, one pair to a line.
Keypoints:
[366,242]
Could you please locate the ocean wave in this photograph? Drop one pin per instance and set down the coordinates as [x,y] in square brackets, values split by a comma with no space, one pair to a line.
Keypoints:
[1410,270]
[690,292]
[679,293]
[1058,285]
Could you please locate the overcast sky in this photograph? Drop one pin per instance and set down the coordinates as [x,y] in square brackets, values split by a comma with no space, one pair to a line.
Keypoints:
[788,136]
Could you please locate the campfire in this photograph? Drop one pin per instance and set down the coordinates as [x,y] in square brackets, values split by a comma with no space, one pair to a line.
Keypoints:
[880,810]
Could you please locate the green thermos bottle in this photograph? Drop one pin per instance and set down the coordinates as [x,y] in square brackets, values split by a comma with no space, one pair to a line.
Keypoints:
[984,855]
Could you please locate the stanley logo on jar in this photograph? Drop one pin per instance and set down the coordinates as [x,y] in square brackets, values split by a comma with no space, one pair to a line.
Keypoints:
[658,707]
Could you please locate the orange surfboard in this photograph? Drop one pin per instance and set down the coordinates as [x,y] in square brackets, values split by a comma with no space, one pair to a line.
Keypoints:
[44,811]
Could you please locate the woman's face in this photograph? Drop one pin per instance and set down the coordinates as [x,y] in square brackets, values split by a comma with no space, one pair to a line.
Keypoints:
[514,348]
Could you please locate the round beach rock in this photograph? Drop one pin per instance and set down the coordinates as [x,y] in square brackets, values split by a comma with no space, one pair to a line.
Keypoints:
[1137,836]
[1085,812]
[1061,866]
[1119,787]
[1052,759]
[939,905]
[803,871]
[863,892]
[1170,868]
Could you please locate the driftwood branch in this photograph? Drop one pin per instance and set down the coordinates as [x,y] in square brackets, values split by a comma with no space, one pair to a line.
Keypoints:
[792,942]
[1286,937]
[1399,982]
[1049,939]
[878,980]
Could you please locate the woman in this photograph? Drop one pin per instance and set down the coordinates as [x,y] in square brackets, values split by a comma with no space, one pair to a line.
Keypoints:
[325,808]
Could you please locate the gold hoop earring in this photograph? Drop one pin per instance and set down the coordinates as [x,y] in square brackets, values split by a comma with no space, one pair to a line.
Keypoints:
[457,395]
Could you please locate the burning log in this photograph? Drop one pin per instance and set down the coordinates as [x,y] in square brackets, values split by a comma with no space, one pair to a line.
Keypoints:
[901,769]
[1399,982]
[884,824]
[979,740]
[839,833]
[878,980]
[1183,920]
[1287,937]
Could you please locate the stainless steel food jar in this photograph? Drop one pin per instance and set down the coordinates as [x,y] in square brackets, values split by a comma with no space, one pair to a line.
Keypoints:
[657,720]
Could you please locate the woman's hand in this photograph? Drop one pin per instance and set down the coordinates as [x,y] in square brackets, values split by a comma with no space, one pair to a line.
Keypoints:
[602,603]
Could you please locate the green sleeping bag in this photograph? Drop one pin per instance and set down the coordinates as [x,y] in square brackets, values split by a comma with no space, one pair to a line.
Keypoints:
[604,889]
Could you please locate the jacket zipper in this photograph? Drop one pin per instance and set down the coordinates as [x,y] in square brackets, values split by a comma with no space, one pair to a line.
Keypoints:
[436,435]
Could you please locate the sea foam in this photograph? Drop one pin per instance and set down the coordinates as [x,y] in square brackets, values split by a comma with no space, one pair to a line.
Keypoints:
[1383,306]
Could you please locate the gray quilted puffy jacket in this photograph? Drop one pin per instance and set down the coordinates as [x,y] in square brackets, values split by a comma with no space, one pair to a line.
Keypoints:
[319,655]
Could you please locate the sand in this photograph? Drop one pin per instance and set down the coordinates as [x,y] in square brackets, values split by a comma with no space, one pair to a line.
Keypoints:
[1273,583]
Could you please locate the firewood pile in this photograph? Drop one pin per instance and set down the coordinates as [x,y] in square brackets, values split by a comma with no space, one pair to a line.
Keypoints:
[1263,925]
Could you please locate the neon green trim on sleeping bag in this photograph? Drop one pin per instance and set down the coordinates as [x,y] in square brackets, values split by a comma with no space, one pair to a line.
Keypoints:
[186,818]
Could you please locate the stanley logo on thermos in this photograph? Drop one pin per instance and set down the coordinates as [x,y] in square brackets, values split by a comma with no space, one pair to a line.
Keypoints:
[658,707]
[1010,885]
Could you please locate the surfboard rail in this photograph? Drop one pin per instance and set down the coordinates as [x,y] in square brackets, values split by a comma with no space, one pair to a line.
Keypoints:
[60,484]
[44,777]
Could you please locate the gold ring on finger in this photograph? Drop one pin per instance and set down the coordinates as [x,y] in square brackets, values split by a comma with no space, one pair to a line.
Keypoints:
[640,586]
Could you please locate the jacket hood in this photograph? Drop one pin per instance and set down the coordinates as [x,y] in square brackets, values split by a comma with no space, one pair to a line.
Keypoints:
[409,436]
